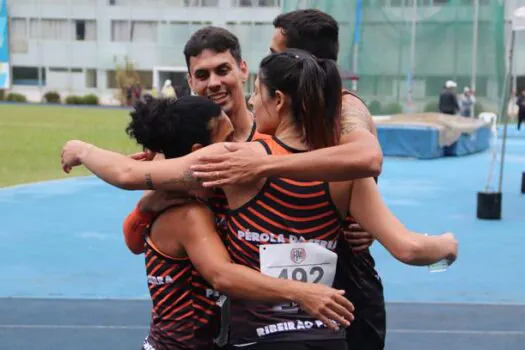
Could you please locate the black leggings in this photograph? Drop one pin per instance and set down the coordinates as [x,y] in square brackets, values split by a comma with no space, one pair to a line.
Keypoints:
[521,119]
[337,344]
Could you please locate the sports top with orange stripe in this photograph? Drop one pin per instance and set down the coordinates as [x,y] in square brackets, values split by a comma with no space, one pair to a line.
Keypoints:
[186,311]
[283,211]
[218,202]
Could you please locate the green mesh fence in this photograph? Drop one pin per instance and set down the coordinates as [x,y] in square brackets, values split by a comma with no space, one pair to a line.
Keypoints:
[392,53]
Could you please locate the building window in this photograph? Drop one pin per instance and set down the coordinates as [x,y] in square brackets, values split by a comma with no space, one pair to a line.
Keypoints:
[174,3]
[134,31]
[29,76]
[18,28]
[256,3]
[111,79]
[120,31]
[143,32]
[18,35]
[201,3]
[49,29]
[65,70]
[91,78]
[58,69]
[80,30]
[91,30]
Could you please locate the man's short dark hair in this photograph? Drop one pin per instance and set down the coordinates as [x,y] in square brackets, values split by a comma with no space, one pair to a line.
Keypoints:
[310,30]
[212,38]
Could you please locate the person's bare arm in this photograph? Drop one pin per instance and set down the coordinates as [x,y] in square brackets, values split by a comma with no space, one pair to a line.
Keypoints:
[126,173]
[359,155]
[209,256]
[369,210]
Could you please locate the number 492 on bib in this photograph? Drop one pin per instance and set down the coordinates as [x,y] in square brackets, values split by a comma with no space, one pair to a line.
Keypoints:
[306,262]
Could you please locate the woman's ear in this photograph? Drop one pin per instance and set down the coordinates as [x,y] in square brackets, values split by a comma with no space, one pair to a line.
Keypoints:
[280,101]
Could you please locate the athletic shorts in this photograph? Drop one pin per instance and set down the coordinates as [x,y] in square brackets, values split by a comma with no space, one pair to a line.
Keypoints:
[367,333]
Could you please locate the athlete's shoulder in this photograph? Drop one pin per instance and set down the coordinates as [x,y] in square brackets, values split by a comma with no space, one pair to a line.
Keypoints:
[351,99]
[355,115]
[185,216]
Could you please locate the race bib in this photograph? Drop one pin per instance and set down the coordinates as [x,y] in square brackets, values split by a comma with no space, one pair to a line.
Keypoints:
[305,262]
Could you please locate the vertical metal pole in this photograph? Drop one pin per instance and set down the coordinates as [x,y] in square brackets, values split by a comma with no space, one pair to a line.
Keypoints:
[504,110]
[399,57]
[412,55]
[72,29]
[474,63]
[40,77]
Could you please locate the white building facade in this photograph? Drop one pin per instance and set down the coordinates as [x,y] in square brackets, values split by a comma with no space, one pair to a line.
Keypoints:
[74,46]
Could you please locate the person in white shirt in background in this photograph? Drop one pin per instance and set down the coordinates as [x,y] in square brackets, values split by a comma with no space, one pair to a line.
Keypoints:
[467,102]
[167,90]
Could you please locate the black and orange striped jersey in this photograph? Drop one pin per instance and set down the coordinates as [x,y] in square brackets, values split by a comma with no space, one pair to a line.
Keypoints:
[283,211]
[218,202]
[219,205]
[186,309]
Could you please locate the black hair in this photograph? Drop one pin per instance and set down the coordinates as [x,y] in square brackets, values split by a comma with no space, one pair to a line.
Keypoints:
[311,30]
[172,126]
[212,38]
[314,86]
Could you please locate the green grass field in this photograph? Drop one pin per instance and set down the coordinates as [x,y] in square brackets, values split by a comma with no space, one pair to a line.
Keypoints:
[31,138]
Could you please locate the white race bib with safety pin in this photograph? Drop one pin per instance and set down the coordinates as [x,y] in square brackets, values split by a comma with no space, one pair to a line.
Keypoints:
[305,262]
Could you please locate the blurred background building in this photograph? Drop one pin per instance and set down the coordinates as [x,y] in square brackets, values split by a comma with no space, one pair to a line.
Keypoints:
[403,51]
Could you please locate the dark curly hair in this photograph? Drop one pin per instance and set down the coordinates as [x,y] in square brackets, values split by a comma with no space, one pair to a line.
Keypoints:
[171,126]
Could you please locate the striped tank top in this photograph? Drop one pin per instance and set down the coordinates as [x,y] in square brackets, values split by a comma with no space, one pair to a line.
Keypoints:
[186,309]
[283,211]
[218,202]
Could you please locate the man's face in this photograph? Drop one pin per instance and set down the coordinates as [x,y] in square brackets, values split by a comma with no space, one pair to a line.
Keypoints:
[219,77]
[278,43]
